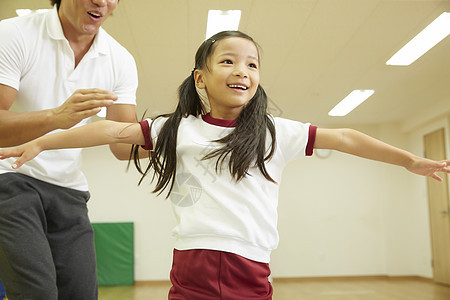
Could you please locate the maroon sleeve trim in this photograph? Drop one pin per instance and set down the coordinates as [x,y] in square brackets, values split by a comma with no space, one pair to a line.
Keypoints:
[146,132]
[311,140]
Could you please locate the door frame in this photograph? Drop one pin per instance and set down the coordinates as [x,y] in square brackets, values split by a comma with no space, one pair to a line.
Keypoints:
[419,136]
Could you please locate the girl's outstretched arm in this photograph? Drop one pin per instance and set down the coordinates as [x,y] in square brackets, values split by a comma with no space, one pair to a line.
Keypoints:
[94,134]
[356,143]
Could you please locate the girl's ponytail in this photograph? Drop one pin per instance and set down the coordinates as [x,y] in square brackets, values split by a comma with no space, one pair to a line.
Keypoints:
[246,144]
[163,158]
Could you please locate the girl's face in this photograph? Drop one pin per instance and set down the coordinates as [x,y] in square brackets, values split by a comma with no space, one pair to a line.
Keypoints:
[232,78]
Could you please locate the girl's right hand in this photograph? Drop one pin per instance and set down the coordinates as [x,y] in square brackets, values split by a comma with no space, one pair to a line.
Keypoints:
[24,152]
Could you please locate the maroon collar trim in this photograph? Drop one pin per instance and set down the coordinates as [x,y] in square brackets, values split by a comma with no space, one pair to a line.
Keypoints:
[218,122]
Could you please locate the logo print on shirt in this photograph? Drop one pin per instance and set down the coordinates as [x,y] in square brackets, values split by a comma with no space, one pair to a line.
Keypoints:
[186,190]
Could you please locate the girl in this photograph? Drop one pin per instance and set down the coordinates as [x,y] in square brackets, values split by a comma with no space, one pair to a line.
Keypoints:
[231,159]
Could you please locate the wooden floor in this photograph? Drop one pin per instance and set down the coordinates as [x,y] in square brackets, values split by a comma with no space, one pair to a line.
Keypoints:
[355,288]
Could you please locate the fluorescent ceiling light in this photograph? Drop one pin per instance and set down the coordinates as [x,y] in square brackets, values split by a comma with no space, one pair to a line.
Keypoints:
[350,102]
[220,20]
[435,32]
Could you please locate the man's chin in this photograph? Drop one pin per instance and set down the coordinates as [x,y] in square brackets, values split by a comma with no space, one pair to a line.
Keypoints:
[90,29]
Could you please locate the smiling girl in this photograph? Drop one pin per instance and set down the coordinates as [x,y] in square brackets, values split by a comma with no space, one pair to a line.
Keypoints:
[221,170]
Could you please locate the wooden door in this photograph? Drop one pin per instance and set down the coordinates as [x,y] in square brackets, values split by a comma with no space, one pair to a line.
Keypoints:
[439,206]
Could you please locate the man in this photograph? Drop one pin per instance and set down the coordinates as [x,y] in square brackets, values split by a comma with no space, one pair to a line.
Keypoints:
[58,68]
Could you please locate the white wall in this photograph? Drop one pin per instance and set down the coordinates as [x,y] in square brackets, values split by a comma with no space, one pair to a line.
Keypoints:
[329,219]
[115,197]
[336,216]
[339,216]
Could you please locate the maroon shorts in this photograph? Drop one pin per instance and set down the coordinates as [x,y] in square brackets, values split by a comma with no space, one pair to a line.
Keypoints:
[207,274]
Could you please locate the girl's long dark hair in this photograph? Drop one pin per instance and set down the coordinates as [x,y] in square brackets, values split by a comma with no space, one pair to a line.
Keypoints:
[245,145]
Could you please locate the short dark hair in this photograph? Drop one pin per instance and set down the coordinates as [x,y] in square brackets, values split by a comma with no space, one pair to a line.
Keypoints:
[57,2]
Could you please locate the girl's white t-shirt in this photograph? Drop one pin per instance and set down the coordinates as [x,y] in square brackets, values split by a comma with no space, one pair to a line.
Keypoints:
[215,212]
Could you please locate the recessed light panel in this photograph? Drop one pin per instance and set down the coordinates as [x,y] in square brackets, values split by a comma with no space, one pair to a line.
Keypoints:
[424,41]
[349,103]
[220,20]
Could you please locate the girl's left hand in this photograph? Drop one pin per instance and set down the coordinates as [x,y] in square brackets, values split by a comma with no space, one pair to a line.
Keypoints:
[24,152]
[428,167]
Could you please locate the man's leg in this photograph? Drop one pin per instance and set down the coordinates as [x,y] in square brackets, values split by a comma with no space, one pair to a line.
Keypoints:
[71,238]
[26,263]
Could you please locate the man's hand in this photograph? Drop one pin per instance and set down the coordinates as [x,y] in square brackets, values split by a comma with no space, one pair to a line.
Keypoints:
[82,104]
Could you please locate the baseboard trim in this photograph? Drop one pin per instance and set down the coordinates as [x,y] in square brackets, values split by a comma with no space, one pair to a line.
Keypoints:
[151,282]
[361,277]
[306,279]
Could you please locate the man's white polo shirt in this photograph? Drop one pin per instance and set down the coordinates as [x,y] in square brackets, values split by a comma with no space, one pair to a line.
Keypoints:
[36,59]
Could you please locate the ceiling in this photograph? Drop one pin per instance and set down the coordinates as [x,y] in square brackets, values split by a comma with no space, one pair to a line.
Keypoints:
[314,52]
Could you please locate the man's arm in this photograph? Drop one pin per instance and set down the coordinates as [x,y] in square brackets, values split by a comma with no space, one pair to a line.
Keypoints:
[19,128]
[15,128]
[123,113]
